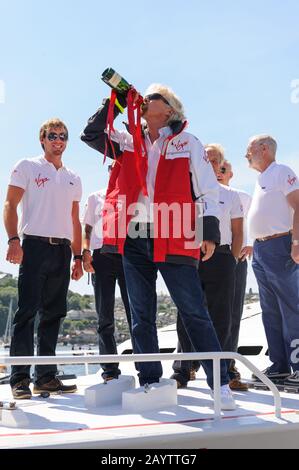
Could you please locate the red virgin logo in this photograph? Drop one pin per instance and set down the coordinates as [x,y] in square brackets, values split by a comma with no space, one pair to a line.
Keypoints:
[291,181]
[41,181]
[180,145]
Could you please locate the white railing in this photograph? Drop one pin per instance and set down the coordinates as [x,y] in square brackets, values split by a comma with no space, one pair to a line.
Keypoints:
[214,356]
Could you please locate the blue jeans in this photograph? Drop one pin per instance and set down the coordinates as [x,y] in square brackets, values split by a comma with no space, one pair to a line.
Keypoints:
[185,289]
[278,280]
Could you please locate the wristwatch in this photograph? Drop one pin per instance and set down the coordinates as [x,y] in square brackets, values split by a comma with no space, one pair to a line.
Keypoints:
[78,257]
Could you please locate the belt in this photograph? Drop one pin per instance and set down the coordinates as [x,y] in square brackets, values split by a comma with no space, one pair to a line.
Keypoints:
[276,235]
[50,240]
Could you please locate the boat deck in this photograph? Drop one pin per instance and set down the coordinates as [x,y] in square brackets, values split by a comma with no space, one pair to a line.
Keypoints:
[62,421]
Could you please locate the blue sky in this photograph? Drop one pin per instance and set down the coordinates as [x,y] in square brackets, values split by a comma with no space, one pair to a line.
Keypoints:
[232,64]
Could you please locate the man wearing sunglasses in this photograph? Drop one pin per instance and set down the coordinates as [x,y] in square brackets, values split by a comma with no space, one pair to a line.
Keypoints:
[171,169]
[49,194]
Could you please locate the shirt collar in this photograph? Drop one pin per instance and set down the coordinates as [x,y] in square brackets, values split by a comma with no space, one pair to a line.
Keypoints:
[46,162]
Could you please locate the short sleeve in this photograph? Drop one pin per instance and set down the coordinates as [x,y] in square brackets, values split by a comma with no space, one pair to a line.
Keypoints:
[287,180]
[20,175]
[78,190]
[89,212]
[237,210]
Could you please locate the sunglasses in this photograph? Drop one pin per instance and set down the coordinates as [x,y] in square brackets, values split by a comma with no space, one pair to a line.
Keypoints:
[156,96]
[53,136]
[223,170]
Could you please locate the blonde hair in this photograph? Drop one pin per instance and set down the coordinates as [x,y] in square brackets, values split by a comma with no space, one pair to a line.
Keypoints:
[171,97]
[52,123]
[218,148]
[265,139]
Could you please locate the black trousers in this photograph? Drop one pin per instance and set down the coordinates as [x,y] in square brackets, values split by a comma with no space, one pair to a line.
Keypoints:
[217,276]
[108,269]
[238,304]
[44,278]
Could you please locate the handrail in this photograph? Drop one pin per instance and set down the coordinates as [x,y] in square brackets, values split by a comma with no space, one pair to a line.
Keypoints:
[194,356]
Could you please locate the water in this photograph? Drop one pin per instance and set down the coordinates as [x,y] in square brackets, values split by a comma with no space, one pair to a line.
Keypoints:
[77,369]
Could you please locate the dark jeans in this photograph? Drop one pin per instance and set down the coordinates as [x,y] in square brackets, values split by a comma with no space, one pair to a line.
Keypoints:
[184,287]
[278,281]
[217,277]
[108,269]
[44,278]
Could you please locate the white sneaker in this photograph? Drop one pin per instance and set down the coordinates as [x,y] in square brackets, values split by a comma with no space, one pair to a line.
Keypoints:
[226,397]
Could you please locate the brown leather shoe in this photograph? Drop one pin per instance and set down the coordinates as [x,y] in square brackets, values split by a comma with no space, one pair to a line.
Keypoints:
[179,384]
[237,385]
[192,374]
[54,386]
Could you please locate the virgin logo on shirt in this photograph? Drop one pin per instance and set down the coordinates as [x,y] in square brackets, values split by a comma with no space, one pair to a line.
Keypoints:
[291,181]
[180,145]
[41,181]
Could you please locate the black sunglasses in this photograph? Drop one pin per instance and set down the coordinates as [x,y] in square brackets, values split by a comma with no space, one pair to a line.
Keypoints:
[53,136]
[156,96]
[223,170]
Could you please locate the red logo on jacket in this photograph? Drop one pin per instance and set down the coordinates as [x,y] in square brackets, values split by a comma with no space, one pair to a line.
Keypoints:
[180,145]
[41,181]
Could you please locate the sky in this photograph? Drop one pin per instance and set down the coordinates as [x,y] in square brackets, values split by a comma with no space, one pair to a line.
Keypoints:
[234,65]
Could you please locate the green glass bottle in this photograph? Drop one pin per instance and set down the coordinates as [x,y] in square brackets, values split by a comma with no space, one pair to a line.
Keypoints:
[115,81]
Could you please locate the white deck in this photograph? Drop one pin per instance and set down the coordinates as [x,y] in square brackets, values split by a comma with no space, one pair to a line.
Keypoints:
[63,421]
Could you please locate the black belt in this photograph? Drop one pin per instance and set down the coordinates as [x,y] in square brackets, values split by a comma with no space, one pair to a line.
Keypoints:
[50,240]
[223,249]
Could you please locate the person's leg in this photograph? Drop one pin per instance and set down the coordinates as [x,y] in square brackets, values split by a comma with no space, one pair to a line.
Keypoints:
[141,275]
[283,276]
[185,289]
[104,280]
[238,304]
[218,280]
[53,308]
[182,368]
[30,283]
[271,313]
[123,289]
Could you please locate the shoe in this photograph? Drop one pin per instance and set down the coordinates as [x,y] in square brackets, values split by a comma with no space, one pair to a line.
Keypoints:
[54,386]
[179,384]
[292,379]
[226,398]
[192,374]
[21,390]
[233,370]
[238,385]
[272,375]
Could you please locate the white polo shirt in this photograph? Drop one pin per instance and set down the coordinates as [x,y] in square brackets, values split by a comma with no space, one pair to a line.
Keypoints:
[230,208]
[270,212]
[93,216]
[48,198]
[246,202]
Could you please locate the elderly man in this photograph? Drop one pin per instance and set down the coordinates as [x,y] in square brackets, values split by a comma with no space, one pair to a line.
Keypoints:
[171,170]
[224,177]
[274,225]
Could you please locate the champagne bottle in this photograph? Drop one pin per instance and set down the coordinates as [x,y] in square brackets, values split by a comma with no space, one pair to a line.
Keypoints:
[115,81]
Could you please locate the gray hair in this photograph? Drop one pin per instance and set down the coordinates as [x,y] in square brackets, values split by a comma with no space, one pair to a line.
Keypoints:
[172,98]
[218,148]
[265,139]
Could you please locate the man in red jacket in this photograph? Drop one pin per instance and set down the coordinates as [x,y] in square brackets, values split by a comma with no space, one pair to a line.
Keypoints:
[174,172]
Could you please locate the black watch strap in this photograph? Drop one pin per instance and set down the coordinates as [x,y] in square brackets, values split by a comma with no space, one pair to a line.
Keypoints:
[13,238]
[80,257]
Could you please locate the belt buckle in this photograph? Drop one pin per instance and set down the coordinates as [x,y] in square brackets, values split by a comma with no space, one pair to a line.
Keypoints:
[52,243]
